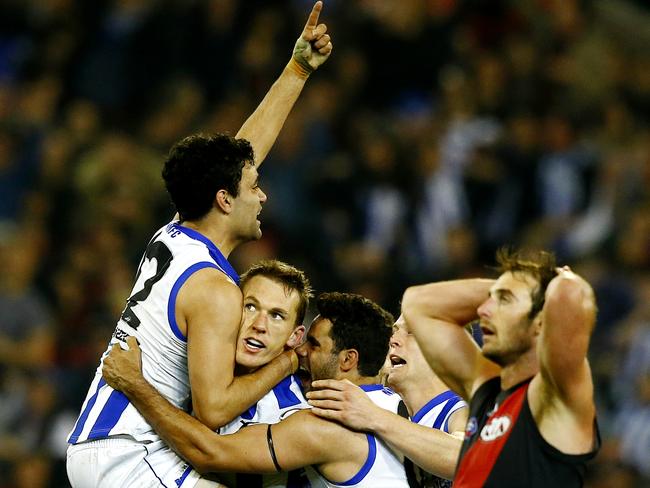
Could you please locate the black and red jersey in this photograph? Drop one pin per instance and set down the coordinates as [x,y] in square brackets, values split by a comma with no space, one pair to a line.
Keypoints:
[503,447]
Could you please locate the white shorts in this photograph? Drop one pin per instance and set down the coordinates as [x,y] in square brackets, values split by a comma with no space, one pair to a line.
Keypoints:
[125,462]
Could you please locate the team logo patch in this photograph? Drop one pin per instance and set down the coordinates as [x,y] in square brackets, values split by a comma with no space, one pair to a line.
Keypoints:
[472,426]
[495,428]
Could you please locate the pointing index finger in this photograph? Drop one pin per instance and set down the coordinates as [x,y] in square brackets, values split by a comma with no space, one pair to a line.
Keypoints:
[312,21]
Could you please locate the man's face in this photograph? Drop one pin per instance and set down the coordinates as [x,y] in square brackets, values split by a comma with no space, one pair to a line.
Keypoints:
[406,363]
[268,322]
[507,331]
[317,356]
[248,205]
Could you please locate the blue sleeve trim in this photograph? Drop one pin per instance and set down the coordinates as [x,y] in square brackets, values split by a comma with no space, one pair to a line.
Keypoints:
[171,303]
[457,405]
[443,414]
[437,400]
[365,469]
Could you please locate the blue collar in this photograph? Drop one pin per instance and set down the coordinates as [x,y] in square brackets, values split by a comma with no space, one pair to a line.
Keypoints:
[216,254]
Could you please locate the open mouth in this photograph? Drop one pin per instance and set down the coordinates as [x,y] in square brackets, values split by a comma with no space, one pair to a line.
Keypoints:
[396,361]
[254,345]
[486,332]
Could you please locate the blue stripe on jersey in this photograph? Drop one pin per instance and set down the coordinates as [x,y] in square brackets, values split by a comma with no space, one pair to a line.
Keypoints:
[284,395]
[367,466]
[180,480]
[443,414]
[171,303]
[250,413]
[74,437]
[437,400]
[110,414]
[214,250]
[367,388]
[454,402]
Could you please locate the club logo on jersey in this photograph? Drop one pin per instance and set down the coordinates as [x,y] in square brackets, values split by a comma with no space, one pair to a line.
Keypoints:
[495,428]
[472,426]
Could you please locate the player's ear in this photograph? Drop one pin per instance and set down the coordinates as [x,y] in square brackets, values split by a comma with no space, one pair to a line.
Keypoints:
[297,337]
[223,200]
[348,359]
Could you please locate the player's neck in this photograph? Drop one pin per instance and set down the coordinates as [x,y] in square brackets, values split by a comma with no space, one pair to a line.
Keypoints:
[357,379]
[525,367]
[216,231]
[416,396]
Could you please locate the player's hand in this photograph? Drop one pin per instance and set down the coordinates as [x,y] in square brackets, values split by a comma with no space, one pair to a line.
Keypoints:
[122,368]
[314,45]
[344,402]
[293,360]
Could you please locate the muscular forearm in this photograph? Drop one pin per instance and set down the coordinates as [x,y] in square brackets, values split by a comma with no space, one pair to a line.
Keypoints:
[433,450]
[187,436]
[217,408]
[262,128]
[449,301]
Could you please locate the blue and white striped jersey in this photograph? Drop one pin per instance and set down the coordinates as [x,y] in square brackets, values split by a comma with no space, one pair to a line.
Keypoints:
[174,253]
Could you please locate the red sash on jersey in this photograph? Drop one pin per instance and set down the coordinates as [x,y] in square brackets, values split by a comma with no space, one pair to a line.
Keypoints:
[476,465]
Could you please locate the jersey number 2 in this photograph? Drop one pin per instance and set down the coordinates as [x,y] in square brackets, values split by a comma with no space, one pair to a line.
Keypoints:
[163,256]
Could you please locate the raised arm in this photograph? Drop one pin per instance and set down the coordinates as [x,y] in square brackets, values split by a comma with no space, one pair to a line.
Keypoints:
[312,49]
[564,385]
[436,314]
[301,440]
[433,450]
[211,308]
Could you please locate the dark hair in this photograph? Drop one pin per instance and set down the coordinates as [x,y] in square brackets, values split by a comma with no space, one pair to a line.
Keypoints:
[358,323]
[290,277]
[540,265]
[200,165]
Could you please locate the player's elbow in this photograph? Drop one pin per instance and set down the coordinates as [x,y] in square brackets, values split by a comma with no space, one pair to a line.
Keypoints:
[214,412]
[212,418]
[205,458]
[412,301]
[574,295]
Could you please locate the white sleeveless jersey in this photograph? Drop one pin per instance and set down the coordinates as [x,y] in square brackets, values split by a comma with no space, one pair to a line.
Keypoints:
[174,253]
[383,468]
[438,410]
[435,414]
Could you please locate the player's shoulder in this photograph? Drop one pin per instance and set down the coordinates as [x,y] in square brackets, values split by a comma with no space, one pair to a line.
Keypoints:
[210,285]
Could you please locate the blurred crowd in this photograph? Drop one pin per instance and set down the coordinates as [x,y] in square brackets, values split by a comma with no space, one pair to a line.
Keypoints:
[438,131]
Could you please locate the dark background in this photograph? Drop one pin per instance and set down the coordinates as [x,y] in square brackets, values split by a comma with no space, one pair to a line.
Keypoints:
[438,131]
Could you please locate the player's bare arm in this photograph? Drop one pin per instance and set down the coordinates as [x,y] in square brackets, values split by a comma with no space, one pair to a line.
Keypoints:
[561,395]
[433,450]
[301,440]
[209,307]
[312,49]
[436,314]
